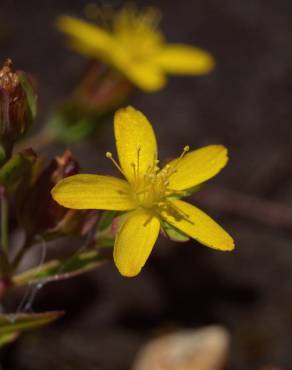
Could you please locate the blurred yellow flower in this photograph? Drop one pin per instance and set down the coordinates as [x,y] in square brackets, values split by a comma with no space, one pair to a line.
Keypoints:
[134,46]
[148,193]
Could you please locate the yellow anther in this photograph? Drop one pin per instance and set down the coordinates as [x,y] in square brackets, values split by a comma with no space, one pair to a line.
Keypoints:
[186,148]
[110,156]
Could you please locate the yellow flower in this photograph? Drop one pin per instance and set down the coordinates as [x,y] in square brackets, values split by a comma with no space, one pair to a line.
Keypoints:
[148,194]
[135,47]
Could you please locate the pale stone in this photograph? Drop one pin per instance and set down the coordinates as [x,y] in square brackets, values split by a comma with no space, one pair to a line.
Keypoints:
[202,349]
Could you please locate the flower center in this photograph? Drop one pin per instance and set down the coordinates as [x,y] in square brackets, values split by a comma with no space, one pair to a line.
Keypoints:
[136,30]
[151,188]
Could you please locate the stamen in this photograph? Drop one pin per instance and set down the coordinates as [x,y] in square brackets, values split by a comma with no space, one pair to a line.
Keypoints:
[138,161]
[103,14]
[186,149]
[177,213]
[134,170]
[110,156]
[143,191]
[183,214]
[174,168]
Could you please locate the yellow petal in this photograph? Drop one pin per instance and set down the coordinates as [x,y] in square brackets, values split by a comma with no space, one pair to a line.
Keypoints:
[183,59]
[197,166]
[93,192]
[135,141]
[146,76]
[196,224]
[135,241]
[86,38]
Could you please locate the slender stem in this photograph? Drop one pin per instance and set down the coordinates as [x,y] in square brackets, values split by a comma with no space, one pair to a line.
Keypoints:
[4,223]
[38,141]
[18,258]
[4,259]
[250,207]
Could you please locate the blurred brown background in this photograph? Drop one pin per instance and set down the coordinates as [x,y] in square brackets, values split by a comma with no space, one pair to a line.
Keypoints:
[246,104]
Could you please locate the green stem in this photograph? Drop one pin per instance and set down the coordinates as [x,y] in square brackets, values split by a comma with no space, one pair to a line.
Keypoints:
[4,259]
[4,224]
[38,141]
[5,268]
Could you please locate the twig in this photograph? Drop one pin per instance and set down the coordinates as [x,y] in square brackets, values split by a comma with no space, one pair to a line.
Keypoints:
[266,212]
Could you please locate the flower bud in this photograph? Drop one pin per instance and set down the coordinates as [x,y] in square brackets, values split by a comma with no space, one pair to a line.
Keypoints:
[86,110]
[39,212]
[17,106]
[101,90]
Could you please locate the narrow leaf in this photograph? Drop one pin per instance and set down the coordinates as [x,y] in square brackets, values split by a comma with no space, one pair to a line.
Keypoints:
[11,323]
[8,338]
[106,220]
[60,269]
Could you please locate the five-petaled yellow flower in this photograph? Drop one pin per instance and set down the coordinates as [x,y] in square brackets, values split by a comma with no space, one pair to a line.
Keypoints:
[134,46]
[149,194]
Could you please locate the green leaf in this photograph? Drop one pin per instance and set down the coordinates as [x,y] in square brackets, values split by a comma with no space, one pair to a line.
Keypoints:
[12,323]
[173,233]
[8,338]
[106,220]
[60,269]
[71,123]
[187,192]
[106,242]
[107,228]
[30,95]
[17,168]
[70,133]
[2,154]
[193,190]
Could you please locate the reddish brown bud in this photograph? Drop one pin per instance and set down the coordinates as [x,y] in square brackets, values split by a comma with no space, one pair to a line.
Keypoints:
[41,215]
[15,108]
[8,80]
[101,89]
[39,212]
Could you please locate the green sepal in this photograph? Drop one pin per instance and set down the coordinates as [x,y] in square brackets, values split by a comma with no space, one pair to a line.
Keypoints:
[193,190]
[186,192]
[173,233]
[30,95]
[108,227]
